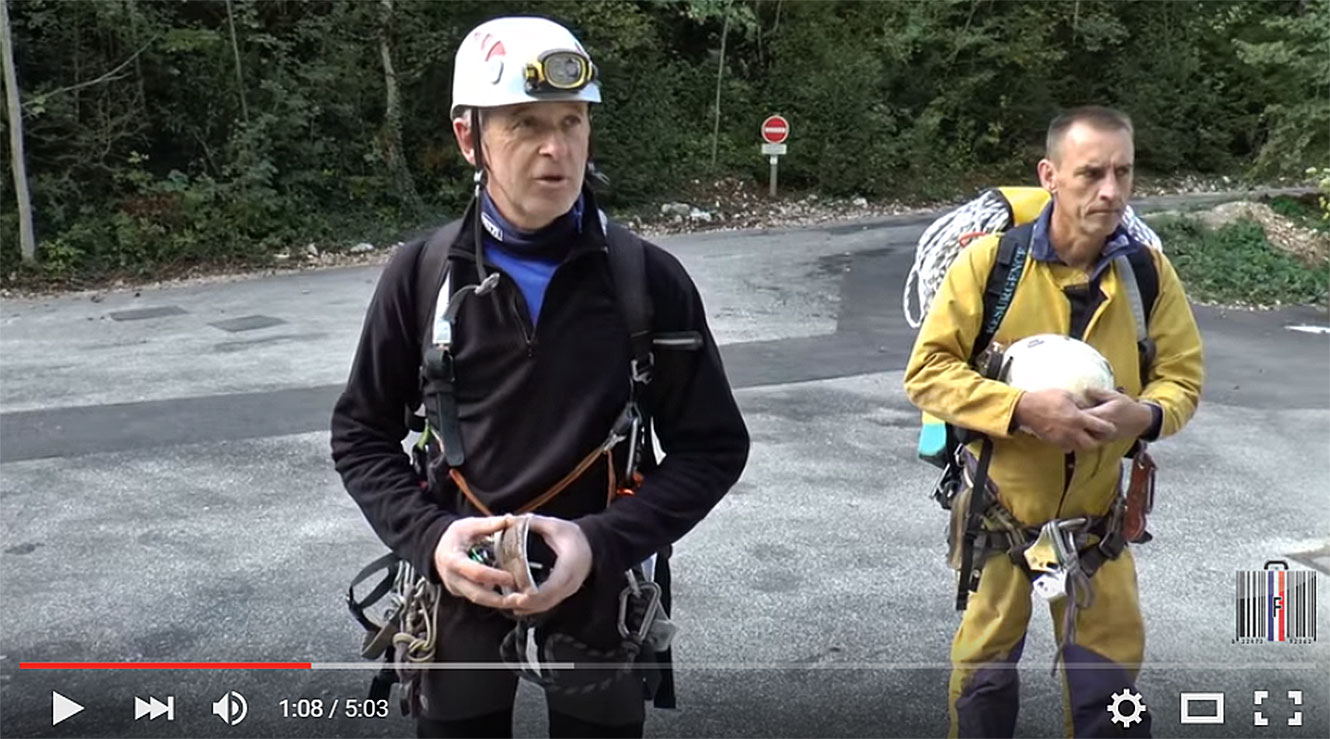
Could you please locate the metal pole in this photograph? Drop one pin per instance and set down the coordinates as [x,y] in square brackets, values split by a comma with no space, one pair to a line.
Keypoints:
[774,159]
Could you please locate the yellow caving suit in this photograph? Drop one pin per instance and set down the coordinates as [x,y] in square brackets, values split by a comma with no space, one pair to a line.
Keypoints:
[1037,482]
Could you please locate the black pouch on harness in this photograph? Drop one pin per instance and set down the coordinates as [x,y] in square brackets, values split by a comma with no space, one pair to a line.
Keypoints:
[539,650]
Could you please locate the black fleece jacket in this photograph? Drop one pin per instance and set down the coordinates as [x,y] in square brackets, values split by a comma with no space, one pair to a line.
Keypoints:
[534,402]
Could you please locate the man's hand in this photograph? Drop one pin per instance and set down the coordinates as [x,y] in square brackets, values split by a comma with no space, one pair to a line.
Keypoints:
[464,577]
[571,567]
[1130,418]
[1053,416]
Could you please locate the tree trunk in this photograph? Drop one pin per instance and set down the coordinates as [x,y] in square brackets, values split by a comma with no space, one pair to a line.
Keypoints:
[392,123]
[235,51]
[27,241]
[78,67]
[720,73]
[138,61]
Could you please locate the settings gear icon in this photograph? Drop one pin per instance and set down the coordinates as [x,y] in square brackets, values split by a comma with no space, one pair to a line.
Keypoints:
[1136,707]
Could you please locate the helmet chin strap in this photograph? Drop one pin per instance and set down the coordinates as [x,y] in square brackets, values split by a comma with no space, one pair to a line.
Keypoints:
[487,281]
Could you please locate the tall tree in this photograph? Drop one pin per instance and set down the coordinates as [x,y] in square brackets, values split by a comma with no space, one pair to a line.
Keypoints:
[392,118]
[720,73]
[235,53]
[27,240]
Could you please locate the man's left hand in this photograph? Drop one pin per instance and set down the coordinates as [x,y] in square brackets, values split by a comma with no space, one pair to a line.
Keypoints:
[1130,418]
[571,567]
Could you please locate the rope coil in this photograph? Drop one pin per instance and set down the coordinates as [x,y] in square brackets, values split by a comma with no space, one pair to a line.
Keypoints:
[949,235]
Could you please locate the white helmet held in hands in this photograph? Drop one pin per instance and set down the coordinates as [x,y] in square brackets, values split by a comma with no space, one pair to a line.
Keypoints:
[507,61]
[1050,361]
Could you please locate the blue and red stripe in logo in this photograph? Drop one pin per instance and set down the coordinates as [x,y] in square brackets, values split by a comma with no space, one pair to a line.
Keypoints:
[1276,615]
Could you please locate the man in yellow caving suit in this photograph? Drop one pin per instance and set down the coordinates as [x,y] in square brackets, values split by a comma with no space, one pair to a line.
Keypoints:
[1050,458]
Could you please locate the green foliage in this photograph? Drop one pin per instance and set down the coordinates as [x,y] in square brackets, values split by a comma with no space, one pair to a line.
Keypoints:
[1292,49]
[1310,212]
[1322,194]
[155,142]
[1237,264]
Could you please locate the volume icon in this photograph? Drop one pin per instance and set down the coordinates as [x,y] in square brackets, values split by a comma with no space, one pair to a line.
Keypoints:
[231,708]
[152,708]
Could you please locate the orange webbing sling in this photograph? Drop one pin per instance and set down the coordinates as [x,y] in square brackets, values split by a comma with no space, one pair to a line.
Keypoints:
[558,487]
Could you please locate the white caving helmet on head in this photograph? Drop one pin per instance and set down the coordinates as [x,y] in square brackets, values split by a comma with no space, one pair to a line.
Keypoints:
[506,61]
[1050,361]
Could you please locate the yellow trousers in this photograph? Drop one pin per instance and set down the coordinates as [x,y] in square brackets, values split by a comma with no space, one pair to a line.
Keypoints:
[1104,660]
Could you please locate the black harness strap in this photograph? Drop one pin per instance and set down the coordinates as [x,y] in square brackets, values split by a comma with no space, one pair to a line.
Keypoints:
[381,685]
[1000,288]
[437,374]
[627,256]
[387,562]
[1013,252]
[1147,282]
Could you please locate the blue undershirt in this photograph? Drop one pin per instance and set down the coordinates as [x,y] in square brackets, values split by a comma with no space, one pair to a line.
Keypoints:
[529,257]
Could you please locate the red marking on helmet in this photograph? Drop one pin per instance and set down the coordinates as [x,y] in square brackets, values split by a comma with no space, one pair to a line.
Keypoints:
[491,45]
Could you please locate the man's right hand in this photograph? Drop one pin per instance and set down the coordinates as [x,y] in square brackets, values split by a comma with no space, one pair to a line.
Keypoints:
[1052,415]
[465,577]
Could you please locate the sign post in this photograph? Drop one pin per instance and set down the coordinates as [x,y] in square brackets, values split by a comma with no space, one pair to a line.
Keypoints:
[775,129]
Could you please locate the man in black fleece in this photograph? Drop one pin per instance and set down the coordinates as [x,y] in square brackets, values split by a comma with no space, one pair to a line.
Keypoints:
[541,362]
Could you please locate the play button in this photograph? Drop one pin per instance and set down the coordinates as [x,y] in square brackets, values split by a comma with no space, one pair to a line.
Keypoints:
[62,708]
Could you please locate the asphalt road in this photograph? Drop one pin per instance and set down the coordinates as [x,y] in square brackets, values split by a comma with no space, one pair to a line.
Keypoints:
[166,494]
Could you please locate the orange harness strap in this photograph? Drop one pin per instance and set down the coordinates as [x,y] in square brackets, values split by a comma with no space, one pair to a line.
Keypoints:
[554,491]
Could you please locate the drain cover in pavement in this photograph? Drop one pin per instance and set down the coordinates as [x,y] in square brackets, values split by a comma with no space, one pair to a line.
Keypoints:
[139,314]
[247,323]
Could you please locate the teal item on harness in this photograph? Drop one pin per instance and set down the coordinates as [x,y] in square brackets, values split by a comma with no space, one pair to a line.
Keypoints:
[933,441]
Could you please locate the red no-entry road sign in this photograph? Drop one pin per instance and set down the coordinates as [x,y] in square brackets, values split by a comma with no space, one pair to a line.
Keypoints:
[775,129]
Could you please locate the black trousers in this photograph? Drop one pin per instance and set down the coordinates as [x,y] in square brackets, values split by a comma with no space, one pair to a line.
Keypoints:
[500,724]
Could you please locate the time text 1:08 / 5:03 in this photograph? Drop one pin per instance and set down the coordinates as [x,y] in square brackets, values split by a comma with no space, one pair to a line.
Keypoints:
[345,708]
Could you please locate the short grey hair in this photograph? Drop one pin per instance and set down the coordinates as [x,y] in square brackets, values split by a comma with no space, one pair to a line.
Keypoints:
[1104,119]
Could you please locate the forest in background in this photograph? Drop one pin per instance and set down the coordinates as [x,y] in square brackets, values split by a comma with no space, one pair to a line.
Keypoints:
[164,134]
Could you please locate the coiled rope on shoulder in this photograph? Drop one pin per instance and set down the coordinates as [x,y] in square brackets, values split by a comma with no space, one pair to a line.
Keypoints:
[948,236]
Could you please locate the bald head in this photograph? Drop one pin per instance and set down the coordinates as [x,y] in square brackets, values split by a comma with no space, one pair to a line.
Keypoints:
[1099,118]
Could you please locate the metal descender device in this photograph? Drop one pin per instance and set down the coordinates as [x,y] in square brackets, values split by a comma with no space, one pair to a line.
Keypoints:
[1054,554]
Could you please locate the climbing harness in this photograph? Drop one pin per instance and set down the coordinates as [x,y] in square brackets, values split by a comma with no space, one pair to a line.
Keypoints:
[944,445]
[1060,557]
[408,623]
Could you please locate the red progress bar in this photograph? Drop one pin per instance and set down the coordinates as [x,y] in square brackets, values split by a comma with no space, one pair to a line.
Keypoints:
[165,666]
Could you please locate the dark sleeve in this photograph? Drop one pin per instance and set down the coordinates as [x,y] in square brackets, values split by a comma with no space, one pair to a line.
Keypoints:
[1156,423]
[697,421]
[369,422]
